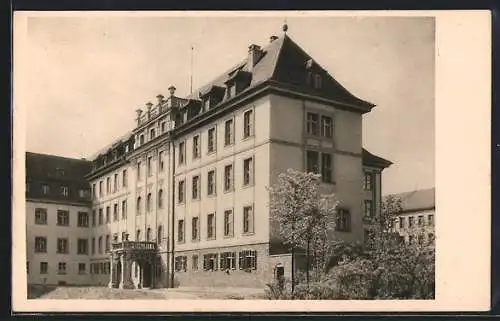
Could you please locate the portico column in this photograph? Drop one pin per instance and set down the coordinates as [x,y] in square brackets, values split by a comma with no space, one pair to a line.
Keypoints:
[112,271]
[126,281]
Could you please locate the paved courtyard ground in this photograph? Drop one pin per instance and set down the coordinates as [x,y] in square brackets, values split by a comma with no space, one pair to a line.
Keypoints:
[104,293]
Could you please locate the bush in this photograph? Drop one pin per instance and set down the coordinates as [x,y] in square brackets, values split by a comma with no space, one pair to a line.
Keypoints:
[279,291]
[327,290]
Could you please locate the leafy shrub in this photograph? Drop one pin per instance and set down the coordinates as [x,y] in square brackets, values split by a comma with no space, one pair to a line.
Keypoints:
[279,291]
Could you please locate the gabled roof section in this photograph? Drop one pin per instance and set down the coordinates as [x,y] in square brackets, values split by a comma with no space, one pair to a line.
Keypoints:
[285,62]
[370,159]
[417,200]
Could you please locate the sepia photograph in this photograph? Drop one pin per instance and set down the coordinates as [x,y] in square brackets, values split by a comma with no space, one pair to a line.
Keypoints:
[230,157]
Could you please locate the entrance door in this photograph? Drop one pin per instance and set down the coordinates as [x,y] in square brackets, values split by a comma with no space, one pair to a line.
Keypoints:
[147,275]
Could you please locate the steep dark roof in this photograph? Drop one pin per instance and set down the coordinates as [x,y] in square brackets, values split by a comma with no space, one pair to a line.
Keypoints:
[284,61]
[55,172]
[417,200]
[370,159]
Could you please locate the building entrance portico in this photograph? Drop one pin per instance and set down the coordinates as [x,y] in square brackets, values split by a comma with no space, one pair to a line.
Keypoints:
[132,265]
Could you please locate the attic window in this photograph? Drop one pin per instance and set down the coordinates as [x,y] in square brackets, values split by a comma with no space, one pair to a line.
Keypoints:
[318,81]
[206,104]
[60,172]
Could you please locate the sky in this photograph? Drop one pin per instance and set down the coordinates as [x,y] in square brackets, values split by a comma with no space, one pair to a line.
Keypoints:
[86,76]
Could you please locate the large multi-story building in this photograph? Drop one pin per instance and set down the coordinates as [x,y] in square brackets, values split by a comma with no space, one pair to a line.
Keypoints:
[57,220]
[415,223]
[183,197]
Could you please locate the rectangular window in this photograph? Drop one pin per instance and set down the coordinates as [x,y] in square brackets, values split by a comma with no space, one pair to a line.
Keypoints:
[101,219]
[182,152]
[150,166]
[420,220]
[94,194]
[115,183]
[61,268]
[196,146]
[248,123]
[228,223]
[326,168]
[108,185]
[83,193]
[368,208]
[152,134]
[368,181]
[180,191]
[64,190]
[248,219]
[115,212]
[94,218]
[83,219]
[194,262]
[44,267]
[40,244]
[93,245]
[248,171]
[326,126]
[45,189]
[228,132]
[248,260]
[101,189]
[211,226]
[181,263]
[211,184]
[83,246]
[138,170]
[211,142]
[124,209]
[312,162]
[210,262]
[196,187]
[343,220]
[161,164]
[195,228]
[41,216]
[107,243]
[180,231]
[410,221]
[108,214]
[228,261]
[62,245]
[99,245]
[124,178]
[82,268]
[62,218]
[401,222]
[430,219]
[162,127]
[312,124]
[228,178]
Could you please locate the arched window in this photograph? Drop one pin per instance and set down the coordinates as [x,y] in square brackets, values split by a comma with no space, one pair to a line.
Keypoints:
[138,235]
[148,235]
[138,209]
[159,235]
[148,203]
[160,198]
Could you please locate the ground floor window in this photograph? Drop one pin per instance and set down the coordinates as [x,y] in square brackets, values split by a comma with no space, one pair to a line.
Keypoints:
[194,262]
[62,268]
[181,263]
[248,260]
[228,261]
[82,268]
[210,262]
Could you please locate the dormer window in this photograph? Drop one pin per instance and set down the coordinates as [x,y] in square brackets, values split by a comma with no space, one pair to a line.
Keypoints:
[317,81]
[206,104]
[141,140]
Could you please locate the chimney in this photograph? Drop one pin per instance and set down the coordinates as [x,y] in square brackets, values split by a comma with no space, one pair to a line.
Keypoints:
[139,113]
[171,90]
[254,54]
[272,38]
